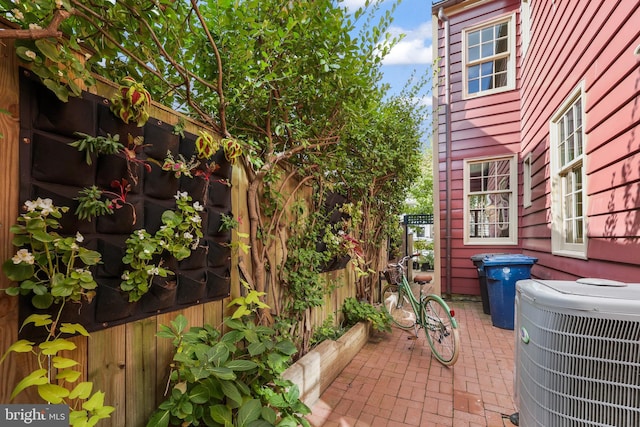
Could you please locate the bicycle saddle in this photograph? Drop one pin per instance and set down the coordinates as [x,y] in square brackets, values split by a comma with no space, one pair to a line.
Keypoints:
[422,278]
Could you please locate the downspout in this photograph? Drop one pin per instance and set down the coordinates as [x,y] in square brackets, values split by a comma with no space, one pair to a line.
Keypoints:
[447,141]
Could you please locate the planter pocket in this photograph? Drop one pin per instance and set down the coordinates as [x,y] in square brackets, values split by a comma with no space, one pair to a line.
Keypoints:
[114,167]
[219,195]
[219,255]
[75,115]
[123,221]
[197,259]
[64,196]
[218,283]
[55,161]
[160,184]
[214,223]
[192,287]
[112,304]
[108,123]
[161,295]
[158,139]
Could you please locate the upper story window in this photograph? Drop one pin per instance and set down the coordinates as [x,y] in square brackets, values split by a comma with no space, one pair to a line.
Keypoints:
[490,213]
[568,190]
[489,58]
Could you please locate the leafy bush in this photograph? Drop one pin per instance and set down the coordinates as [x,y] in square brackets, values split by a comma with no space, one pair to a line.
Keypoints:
[328,331]
[356,311]
[232,379]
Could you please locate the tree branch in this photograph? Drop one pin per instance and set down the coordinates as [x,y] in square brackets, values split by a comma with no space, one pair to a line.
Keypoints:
[43,33]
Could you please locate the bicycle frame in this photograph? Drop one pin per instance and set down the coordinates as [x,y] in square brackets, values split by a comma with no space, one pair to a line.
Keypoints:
[417,304]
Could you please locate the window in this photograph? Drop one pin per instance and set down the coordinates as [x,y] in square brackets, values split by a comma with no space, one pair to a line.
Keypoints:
[489,64]
[526,181]
[568,192]
[490,214]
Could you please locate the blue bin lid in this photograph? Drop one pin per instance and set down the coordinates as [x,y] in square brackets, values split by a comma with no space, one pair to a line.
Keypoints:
[509,259]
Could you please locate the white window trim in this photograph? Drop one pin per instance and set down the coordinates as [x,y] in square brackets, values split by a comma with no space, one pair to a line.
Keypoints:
[558,246]
[511,64]
[525,26]
[513,204]
[526,180]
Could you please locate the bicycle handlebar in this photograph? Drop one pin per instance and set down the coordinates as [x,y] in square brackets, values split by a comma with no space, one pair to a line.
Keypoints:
[404,260]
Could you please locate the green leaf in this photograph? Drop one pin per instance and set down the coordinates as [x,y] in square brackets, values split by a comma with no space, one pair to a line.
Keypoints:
[63,362]
[49,348]
[37,377]
[52,393]
[89,257]
[160,418]
[180,323]
[231,391]
[256,348]
[199,394]
[221,414]
[68,375]
[42,301]
[74,328]
[17,272]
[48,49]
[21,346]
[81,391]
[43,236]
[287,347]
[38,320]
[96,401]
[241,365]
[223,373]
[249,411]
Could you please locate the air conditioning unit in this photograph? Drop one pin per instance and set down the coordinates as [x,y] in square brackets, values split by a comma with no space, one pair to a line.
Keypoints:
[577,356]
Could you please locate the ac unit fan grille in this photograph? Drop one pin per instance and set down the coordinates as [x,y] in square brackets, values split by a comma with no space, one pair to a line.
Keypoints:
[578,370]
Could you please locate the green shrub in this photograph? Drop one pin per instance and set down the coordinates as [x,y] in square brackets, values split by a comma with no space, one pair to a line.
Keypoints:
[355,311]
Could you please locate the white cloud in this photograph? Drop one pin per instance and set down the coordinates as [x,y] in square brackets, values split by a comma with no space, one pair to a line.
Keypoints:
[415,47]
[352,5]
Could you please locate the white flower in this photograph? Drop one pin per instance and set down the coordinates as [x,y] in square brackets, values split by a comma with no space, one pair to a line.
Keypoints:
[79,237]
[46,206]
[34,27]
[146,251]
[187,235]
[23,255]
[140,234]
[195,244]
[162,243]
[81,270]
[17,14]
[125,275]
[181,196]
[196,219]
[60,73]
[30,205]
[198,207]
[153,271]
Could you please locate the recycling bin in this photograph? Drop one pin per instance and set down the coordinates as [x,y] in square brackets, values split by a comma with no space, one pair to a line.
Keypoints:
[503,271]
[482,278]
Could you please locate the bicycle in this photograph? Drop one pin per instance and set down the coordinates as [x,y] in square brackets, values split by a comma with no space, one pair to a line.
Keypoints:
[429,312]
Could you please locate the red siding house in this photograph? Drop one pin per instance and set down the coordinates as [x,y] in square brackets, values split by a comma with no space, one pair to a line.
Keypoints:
[537,141]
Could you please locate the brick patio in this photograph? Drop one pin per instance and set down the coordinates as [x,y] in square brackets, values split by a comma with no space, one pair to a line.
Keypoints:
[394,381]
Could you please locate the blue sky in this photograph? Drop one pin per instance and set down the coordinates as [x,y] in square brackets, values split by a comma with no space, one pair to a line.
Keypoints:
[412,18]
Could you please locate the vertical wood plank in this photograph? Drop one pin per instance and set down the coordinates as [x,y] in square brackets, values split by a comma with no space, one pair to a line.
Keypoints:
[16,366]
[213,313]
[107,363]
[140,370]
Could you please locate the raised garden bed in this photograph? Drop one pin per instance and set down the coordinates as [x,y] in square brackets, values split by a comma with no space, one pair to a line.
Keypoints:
[316,370]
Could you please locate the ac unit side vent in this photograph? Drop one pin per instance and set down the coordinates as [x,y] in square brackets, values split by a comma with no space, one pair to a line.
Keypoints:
[577,369]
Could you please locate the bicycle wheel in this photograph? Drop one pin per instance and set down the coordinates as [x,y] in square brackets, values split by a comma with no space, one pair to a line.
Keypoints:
[441,329]
[398,306]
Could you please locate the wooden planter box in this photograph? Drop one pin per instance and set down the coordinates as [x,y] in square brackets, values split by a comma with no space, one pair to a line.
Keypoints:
[316,370]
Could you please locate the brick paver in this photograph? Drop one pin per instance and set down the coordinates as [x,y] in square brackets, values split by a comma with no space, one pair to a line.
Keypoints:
[394,381]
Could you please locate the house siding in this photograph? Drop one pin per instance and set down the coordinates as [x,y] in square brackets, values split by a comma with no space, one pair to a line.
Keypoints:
[573,43]
[483,126]
[599,52]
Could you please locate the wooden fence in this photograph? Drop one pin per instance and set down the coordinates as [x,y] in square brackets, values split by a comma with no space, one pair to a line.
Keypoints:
[128,362]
